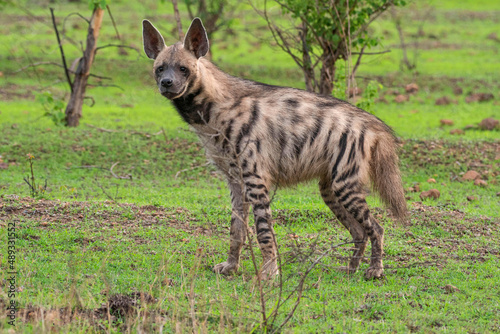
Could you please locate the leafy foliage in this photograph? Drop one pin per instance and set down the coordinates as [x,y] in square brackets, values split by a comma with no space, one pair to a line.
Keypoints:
[215,14]
[368,97]
[324,32]
[54,107]
[97,3]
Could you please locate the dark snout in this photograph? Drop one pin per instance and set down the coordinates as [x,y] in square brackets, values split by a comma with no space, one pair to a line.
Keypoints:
[169,85]
[166,82]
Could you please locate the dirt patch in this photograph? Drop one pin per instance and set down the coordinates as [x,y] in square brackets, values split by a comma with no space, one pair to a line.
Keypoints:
[457,157]
[432,237]
[456,16]
[13,92]
[125,305]
[57,214]
[396,83]
[118,307]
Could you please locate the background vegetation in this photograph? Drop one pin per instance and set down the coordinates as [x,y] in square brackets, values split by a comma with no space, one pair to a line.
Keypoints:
[125,219]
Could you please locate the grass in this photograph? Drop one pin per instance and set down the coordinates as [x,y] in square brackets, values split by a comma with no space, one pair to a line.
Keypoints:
[92,239]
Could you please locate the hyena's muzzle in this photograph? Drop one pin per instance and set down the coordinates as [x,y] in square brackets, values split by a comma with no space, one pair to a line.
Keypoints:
[171,80]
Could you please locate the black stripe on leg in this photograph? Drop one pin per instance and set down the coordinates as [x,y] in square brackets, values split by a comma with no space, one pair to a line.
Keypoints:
[256,186]
[347,195]
[261,206]
[262,230]
[254,196]
[264,240]
[351,203]
[348,185]
[350,173]
[261,220]
[366,214]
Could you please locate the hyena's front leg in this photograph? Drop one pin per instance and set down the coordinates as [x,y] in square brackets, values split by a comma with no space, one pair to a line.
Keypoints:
[239,223]
[257,193]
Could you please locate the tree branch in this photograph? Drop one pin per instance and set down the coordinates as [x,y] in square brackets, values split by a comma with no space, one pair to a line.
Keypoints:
[61,49]
[116,46]
[113,21]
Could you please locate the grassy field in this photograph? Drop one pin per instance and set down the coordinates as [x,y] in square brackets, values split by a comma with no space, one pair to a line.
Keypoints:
[132,219]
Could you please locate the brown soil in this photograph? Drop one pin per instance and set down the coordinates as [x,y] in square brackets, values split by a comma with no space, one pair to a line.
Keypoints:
[57,214]
[118,306]
[455,156]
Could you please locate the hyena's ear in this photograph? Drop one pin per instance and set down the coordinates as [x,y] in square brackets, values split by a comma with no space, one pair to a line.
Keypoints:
[152,39]
[196,39]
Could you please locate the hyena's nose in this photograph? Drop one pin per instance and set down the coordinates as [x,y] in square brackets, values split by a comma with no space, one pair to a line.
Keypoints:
[166,82]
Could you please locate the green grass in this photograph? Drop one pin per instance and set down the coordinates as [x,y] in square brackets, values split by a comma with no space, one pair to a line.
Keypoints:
[91,236]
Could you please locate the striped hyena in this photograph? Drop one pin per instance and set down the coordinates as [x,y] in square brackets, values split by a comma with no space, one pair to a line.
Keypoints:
[261,136]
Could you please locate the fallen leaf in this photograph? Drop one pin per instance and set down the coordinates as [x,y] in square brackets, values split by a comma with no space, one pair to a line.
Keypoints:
[493,36]
[479,97]
[471,198]
[458,91]
[411,88]
[446,122]
[470,175]
[480,183]
[488,124]
[431,180]
[450,288]
[400,98]
[432,193]
[457,132]
[443,101]
[355,91]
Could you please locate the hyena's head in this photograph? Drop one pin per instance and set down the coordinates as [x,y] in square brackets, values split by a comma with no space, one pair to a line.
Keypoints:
[176,66]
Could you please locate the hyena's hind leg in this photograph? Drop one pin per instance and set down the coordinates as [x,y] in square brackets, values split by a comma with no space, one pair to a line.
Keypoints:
[239,223]
[357,232]
[352,197]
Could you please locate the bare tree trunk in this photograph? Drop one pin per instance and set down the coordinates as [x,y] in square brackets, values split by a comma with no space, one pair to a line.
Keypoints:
[74,107]
[327,74]
[307,67]
[178,19]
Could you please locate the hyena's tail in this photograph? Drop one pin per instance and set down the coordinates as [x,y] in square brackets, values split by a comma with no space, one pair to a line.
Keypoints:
[385,175]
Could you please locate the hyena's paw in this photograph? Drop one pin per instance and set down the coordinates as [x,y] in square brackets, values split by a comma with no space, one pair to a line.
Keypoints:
[347,270]
[270,271]
[225,268]
[373,273]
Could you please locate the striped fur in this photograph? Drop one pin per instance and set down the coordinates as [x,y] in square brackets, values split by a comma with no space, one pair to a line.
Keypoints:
[262,136]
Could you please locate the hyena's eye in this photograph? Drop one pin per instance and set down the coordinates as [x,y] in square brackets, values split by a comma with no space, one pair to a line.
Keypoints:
[159,69]
[182,68]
